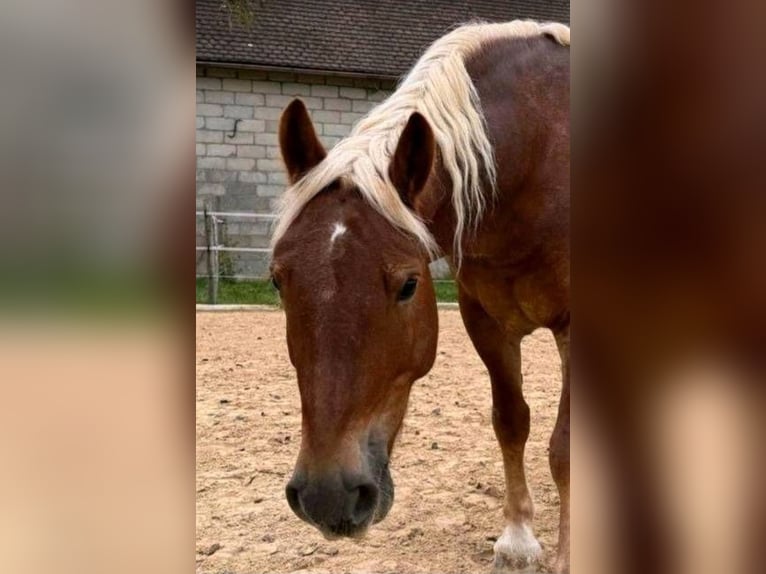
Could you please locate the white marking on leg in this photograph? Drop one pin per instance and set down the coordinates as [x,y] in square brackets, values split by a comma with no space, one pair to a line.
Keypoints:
[337,231]
[517,548]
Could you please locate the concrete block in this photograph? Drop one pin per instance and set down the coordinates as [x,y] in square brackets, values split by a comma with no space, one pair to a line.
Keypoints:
[208,83]
[272,126]
[200,96]
[295,89]
[266,190]
[251,151]
[341,105]
[274,203]
[242,188]
[312,103]
[255,227]
[231,230]
[239,164]
[279,101]
[330,141]
[220,73]
[201,175]
[209,110]
[241,112]
[324,91]
[224,150]
[440,269]
[200,150]
[238,85]
[378,95]
[273,152]
[366,83]
[266,87]
[323,116]
[261,241]
[353,93]
[277,177]
[350,118]
[251,126]
[340,81]
[252,74]
[267,113]
[206,136]
[219,97]
[336,129]
[388,85]
[362,106]
[282,76]
[252,177]
[220,124]
[249,99]
[266,139]
[270,165]
[244,202]
[211,189]
[221,175]
[310,79]
[239,138]
[200,122]
[211,163]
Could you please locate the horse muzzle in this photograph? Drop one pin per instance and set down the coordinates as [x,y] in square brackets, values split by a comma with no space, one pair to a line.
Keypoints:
[340,504]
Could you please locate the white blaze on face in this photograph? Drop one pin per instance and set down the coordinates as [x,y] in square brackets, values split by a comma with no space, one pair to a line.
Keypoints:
[338,230]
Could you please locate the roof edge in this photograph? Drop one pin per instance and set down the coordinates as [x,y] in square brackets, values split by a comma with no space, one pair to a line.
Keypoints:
[295,69]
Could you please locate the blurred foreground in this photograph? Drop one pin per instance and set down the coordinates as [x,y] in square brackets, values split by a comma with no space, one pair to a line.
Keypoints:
[669,288]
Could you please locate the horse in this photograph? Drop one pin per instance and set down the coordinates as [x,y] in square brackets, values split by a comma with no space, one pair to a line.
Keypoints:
[468,159]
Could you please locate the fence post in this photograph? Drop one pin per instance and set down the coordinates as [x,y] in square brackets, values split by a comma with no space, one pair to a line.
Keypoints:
[211,242]
[216,264]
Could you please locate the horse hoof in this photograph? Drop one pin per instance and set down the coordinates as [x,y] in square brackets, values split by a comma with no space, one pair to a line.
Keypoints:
[516,565]
[517,551]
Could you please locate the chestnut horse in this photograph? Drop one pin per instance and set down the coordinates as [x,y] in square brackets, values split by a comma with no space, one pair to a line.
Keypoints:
[469,158]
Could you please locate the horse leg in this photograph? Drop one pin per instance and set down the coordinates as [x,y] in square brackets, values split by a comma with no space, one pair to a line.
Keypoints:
[559,455]
[517,549]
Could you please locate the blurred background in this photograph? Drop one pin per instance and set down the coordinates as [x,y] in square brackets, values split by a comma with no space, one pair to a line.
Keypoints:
[96,172]
[96,201]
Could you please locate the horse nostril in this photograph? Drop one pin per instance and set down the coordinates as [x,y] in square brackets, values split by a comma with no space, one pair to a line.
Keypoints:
[291,491]
[366,502]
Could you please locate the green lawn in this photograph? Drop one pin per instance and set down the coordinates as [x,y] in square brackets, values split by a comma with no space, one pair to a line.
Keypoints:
[262,293]
[240,292]
[446,291]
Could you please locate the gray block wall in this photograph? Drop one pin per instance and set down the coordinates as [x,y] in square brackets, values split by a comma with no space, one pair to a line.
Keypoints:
[239,169]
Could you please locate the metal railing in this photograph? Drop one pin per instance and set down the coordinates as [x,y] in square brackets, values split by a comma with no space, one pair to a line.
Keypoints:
[212,247]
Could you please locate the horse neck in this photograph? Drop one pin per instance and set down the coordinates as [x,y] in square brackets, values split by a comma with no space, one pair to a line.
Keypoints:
[438,210]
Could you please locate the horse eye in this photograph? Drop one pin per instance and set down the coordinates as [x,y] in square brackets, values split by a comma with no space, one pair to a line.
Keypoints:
[274,283]
[408,289]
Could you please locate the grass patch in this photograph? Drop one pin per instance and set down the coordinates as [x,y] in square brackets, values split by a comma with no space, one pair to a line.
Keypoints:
[446,291]
[262,293]
[240,292]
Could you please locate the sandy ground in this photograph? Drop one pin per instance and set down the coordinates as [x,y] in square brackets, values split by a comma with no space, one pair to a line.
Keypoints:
[446,466]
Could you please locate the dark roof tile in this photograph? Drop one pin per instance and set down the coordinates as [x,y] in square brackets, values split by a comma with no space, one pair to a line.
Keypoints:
[371,37]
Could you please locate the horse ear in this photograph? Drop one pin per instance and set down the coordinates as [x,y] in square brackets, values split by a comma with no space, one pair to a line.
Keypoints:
[413,158]
[298,142]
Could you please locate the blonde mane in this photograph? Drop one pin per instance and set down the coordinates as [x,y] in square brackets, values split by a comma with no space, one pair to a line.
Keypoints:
[440,88]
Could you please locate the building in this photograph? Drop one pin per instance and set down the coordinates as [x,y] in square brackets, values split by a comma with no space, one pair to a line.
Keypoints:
[340,56]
